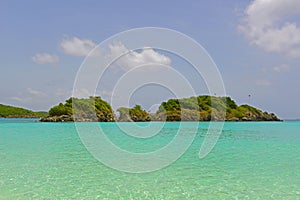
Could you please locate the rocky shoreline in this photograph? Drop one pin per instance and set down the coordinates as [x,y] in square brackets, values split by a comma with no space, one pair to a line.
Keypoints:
[69,118]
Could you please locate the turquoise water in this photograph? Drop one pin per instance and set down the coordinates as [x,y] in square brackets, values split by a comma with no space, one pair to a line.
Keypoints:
[250,161]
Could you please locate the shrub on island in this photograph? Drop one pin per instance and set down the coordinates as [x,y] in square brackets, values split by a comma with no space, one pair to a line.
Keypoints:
[84,109]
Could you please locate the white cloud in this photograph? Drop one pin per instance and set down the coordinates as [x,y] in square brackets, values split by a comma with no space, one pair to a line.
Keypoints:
[125,60]
[35,92]
[281,68]
[263,83]
[30,96]
[45,58]
[78,47]
[63,92]
[263,25]
[133,58]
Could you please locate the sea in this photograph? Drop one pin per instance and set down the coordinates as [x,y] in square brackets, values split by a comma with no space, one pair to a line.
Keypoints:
[250,160]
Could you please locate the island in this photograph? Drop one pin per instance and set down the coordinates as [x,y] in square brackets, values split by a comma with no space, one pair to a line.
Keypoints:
[209,108]
[200,108]
[7,111]
[92,109]
[136,114]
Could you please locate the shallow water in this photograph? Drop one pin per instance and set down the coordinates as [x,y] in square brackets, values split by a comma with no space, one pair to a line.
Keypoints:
[251,160]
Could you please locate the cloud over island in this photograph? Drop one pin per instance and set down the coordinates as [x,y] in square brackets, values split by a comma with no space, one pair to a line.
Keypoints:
[270,26]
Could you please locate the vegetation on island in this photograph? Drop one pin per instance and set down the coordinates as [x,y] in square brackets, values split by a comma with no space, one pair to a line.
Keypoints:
[90,109]
[206,108]
[201,108]
[16,112]
[135,114]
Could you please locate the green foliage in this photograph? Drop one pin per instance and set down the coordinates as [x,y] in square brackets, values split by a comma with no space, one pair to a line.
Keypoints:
[230,103]
[209,107]
[189,103]
[201,108]
[15,112]
[170,105]
[133,114]
[204,103]
[60,110]
[245,108]
[195,103]
[238,114]
[93,108]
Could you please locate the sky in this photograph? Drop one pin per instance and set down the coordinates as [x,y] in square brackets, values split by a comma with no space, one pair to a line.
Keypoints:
[254,43]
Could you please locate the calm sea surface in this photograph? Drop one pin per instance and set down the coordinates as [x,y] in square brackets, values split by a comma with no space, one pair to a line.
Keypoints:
[255,160]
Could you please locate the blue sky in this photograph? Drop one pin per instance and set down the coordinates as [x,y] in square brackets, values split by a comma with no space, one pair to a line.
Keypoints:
[255,45]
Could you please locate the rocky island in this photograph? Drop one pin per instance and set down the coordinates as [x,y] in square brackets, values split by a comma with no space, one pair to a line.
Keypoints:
[201,108]
[81,110]
[209,108]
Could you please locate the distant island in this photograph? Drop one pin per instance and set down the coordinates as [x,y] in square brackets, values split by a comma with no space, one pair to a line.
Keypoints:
[88,110]
[186,109]
[16,112]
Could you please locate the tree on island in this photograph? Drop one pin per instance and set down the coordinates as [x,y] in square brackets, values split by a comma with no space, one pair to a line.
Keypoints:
[89,109]
[136,114]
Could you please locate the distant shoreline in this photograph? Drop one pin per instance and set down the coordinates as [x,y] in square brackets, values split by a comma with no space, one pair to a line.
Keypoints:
[38,120]
[196,108]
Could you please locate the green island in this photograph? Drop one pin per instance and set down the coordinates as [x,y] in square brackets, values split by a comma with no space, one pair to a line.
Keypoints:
[16,112]
[201,108]
[135,114]
[89,109]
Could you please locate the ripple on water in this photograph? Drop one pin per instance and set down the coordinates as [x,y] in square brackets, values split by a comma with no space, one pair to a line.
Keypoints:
[48,161]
